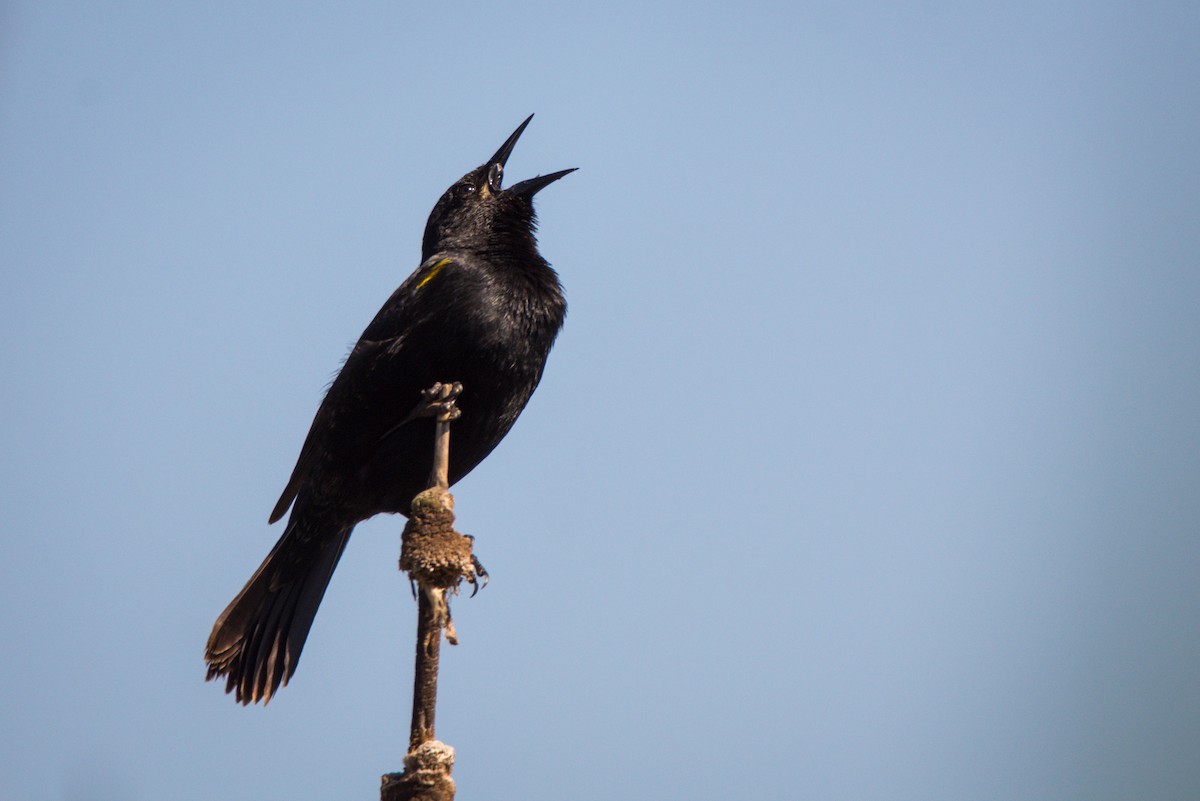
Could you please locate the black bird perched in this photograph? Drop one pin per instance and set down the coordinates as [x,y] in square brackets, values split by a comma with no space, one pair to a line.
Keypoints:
[483,309]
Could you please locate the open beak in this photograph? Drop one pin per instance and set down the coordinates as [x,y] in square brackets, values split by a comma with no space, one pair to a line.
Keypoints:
[525,188]
[506,149]
[534,185]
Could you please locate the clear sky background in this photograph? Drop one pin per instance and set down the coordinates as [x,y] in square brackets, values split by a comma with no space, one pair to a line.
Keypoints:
[866,467]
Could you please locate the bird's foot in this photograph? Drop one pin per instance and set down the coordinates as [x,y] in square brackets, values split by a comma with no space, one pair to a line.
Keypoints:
[478,576]
[440,400]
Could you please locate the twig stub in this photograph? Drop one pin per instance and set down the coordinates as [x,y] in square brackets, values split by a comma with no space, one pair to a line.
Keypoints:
[426,775]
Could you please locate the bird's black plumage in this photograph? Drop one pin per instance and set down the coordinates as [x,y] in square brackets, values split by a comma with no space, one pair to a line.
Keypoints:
[483,309]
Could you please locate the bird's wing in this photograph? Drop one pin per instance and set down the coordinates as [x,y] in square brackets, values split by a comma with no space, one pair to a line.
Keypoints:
[386,332]
[325,420]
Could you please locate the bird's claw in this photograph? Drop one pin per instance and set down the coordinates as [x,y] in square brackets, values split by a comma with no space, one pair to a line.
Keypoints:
[479,578]
[440,400]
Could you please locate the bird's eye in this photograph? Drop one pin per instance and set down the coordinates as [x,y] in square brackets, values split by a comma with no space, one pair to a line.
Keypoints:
[495,176]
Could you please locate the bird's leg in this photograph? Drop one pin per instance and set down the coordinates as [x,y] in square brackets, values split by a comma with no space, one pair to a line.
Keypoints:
[440,401]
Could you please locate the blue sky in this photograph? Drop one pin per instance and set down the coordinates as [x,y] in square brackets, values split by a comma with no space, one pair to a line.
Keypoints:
[866,467]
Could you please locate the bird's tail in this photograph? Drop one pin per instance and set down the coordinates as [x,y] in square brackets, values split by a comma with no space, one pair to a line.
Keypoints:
[256,642]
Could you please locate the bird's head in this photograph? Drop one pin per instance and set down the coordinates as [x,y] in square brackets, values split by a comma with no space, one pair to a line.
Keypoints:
[478,213]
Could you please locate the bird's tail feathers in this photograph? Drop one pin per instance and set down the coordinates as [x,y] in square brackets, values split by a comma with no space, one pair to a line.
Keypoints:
[256,642]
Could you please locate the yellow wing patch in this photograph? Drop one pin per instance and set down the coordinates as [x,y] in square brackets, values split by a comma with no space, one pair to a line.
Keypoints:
[433,272]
